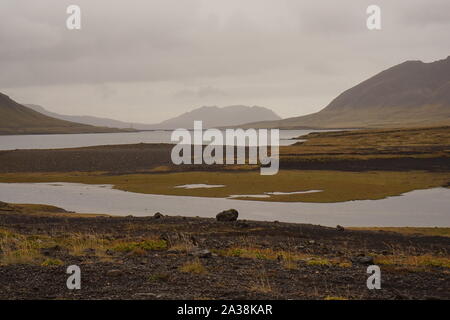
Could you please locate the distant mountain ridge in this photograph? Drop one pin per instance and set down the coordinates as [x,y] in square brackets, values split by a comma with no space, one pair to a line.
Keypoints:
[91,120]
[18,119]
[412,93]
[212,117]
[215,117]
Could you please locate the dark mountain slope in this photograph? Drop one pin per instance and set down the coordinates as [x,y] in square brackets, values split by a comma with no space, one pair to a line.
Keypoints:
[18,119]
[410,94]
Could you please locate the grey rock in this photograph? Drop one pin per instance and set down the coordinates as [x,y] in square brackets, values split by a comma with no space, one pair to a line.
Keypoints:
[362,259]
[158,215]
[340,228]
[114,273]
[201,253]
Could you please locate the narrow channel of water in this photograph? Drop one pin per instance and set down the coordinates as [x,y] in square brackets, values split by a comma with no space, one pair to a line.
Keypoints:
[425,208]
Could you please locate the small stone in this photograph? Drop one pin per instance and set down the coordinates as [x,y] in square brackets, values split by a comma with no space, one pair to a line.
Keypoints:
[146,294]
[114,273]
[340,228]
[201,253]
[362,259]
[227,215]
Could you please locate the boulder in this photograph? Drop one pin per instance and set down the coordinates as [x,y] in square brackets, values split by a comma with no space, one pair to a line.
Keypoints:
[158,215]
[227,215]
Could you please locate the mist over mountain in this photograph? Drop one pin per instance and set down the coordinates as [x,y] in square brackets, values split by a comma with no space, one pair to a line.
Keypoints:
[91,120]
[413,93]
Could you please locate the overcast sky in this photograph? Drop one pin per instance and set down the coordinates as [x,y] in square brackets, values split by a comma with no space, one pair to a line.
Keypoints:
[148,60]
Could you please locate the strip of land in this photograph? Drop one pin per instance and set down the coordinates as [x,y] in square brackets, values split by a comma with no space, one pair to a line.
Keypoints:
[351,165]
[328,186]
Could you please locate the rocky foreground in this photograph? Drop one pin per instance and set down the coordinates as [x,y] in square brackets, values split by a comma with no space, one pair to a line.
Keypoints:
[162,257]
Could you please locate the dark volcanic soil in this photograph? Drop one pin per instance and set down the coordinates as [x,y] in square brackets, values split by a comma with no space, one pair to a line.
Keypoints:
[155,274]
[142,157]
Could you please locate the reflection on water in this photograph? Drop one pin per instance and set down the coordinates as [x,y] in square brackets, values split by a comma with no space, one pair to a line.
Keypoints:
[234,196]
[200,186]
[425,208]
[294,192]
[268,194]
[57,141]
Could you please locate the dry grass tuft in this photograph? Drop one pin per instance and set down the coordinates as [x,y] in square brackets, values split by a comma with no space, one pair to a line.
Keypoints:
[193,267]
[261,283]
[319,262]
[334,298]
[52,262]
[414,261]
[17,249]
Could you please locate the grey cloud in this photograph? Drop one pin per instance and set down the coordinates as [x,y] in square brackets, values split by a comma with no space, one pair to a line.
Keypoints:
[203,92]
[292,54]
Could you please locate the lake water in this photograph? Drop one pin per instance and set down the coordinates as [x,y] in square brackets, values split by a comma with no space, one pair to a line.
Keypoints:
[417,208]
[57,141]
[425,208]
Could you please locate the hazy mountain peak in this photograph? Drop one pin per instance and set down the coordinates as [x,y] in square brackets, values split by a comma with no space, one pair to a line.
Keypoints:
[213,116]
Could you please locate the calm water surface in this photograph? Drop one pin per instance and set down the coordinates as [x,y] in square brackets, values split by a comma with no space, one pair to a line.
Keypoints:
[57,141]
[426,208]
